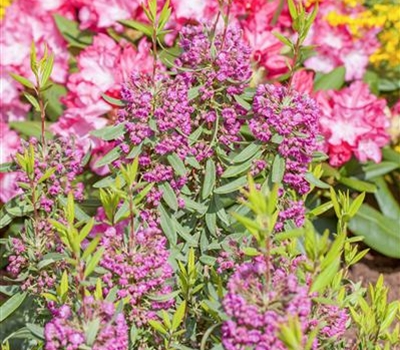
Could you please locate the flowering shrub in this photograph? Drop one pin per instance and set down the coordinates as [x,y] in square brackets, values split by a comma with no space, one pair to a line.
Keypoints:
[173,198]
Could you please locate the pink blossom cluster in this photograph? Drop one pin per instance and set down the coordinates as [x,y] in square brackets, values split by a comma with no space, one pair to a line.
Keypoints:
[337,45]
[257,307]
[66,330]
[61,156]
[293,118]
[137,263]
[27,22]
[103,66]
[353,121]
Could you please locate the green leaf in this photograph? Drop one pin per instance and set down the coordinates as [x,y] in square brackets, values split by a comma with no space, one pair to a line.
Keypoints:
[79,213]
[247,153]
[380,232]
[242,102]
[356,204]
[209,179]
[91,247]
[91,332]
[64,285]
[30,128]
[321,209]
[387,203]
[18,207]
[47,174]
[278,169]
[374,170]
[36,330]
[169,196]
[177,164]
[235,170]
[48,68]
[193,92]
[113,101]
[325,277]
[109,132]
[141,27]
[312,180]
[11,305]
[7,167]
[283,39]
[178,316]
[232,186]
[114,154]
[168,226]
[331,81]
[93,262]
[32,100]
[25,82]
[70,31]
[358,185]
[158,327]
[53,97]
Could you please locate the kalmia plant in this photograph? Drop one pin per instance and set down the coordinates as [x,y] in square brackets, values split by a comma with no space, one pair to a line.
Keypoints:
[200,238]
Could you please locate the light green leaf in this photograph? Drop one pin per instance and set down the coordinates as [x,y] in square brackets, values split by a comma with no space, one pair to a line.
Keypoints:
[113,101]
[93,262]
[109,132]
[25,82]
[178,316]
[278,169]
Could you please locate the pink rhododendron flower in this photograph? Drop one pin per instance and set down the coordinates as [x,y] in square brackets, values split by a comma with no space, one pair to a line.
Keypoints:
[11,109]
[353,122]
[32,21]
[105,13]
[103,67]
[337,46]
[9,144]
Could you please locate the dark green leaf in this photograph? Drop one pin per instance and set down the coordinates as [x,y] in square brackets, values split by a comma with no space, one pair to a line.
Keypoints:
[387,203]
[247,153]
[232,186]
[11,305]
[70,31]
[380,232]
[114,154]
[169,196]
[168,226]
[209,179]
[314,181]
[331,81]
[278,169]
[358,185]
[242,102]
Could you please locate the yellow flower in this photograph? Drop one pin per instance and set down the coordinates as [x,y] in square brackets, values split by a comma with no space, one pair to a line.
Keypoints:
[3,5]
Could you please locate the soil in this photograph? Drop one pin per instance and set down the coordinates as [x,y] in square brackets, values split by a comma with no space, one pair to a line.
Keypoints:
[371,266]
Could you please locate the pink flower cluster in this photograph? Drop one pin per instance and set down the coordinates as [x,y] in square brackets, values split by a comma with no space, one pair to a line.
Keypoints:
[103,66]
[257,308]
[353,122]
[27,22]
[337,46]
[68,330]
[138,266]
